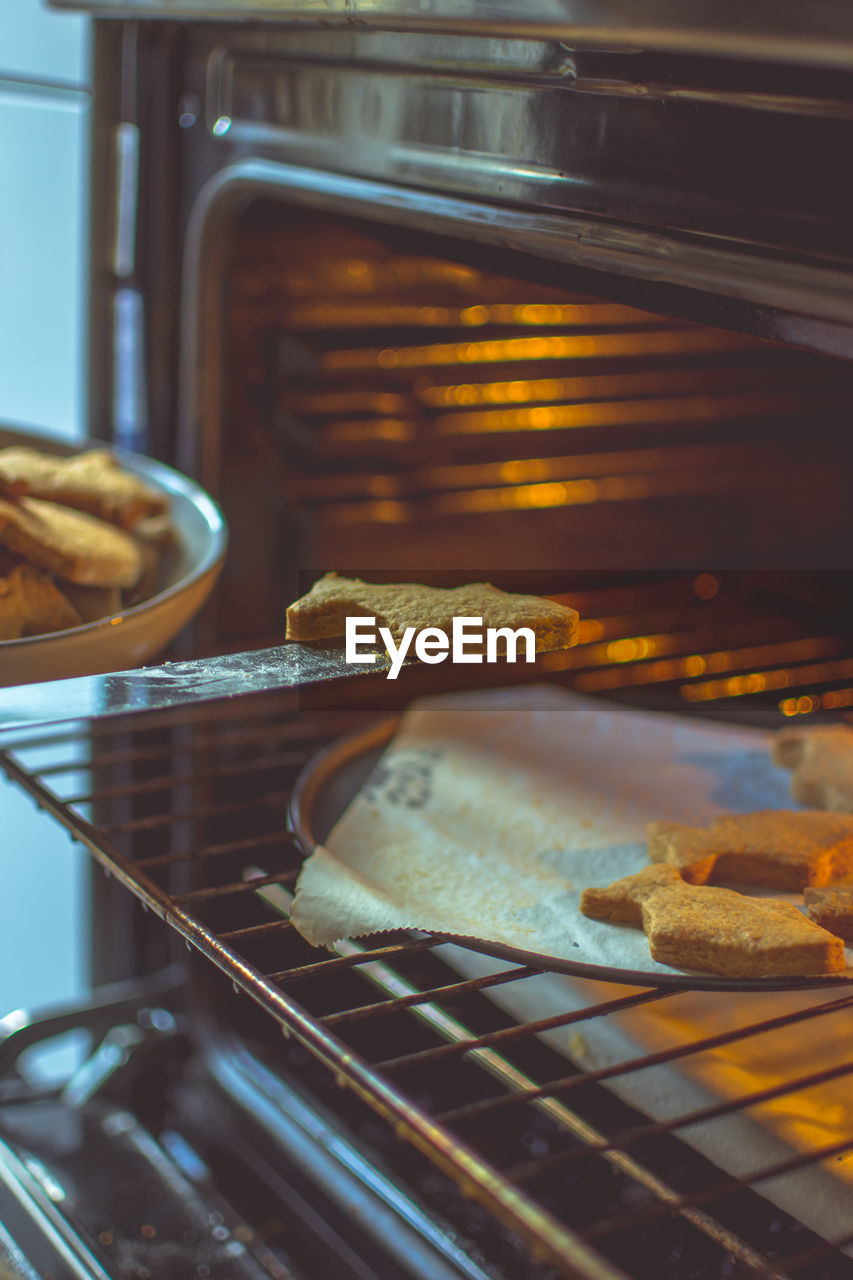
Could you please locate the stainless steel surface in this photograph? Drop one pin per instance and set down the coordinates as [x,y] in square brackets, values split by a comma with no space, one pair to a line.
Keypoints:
[515,121]
[92,1192]
[190,1223]
[13,1264]
[361,1189]
[30,1206]
[130,411]
[530,146]
[126,161]
[178,684]
[820,33]
[531,149]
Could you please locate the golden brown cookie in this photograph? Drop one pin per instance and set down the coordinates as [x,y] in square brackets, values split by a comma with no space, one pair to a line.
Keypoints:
[150,577]
[157,541]
[8,561]
[94,482]
[156,531]
[821,760]
[779,848]
[93,603]
[832,909]
[69,543]
[622,901]
[716,930]
[31,604]
[322,613]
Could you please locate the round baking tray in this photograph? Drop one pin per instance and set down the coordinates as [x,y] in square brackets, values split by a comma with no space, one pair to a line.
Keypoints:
[141,632]
[333,778]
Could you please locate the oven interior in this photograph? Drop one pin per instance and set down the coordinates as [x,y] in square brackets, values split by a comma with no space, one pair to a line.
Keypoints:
[401,407]
[412,404]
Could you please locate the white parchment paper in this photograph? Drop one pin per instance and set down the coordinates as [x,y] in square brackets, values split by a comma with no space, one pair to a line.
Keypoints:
[489,813]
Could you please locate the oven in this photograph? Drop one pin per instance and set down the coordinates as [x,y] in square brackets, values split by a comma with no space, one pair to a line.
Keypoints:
[425,292]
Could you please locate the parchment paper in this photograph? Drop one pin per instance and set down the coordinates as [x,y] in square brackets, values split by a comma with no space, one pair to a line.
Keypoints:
[489,813]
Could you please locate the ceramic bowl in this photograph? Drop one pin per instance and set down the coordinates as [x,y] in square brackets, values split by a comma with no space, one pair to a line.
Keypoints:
[140,633]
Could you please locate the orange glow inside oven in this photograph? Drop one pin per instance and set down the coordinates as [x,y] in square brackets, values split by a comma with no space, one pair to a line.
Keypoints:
[423,414]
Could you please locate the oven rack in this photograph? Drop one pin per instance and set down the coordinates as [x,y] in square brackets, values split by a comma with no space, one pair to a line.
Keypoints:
[180,809]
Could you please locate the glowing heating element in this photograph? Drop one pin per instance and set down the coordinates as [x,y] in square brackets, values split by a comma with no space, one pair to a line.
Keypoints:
[763,681]
[371,315]
[832,700]
[687,409]
[553,347]
[726,660]
[608,386]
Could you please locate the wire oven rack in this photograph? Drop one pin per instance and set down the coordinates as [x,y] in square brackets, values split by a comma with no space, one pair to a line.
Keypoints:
[179,809]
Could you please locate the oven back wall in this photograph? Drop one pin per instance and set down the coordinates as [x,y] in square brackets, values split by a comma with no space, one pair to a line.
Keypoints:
[403,405]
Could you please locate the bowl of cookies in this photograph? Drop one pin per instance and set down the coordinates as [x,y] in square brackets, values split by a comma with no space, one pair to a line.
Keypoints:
[104,557]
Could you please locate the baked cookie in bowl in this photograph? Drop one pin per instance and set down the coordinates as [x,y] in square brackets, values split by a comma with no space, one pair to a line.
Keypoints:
[104,557]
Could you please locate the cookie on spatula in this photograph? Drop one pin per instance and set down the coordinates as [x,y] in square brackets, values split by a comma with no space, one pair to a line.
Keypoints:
[322,613]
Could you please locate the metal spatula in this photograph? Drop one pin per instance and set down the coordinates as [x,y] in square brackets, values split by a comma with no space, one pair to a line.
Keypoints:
[175,684]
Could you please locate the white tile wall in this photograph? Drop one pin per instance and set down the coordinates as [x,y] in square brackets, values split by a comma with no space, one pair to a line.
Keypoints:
[37,43]
[43,948]
[44,121]
[44,105]
[43,163]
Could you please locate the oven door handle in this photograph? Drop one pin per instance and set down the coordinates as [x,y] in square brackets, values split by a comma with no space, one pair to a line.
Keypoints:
[102,1009]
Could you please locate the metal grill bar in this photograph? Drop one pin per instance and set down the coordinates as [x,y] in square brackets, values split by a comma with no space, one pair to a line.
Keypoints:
[723,1188]
[200,741]
[16,738]
[627,1138]
[806,1257]
[110,759]
[166,781]
[504,1071]
[497,1184]
[255,931]
[63,735]
[273,838]
[546,1235]
[239,886]
[450,992]
[508,1034]
[323,967]
[277,799]
[566,1083]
